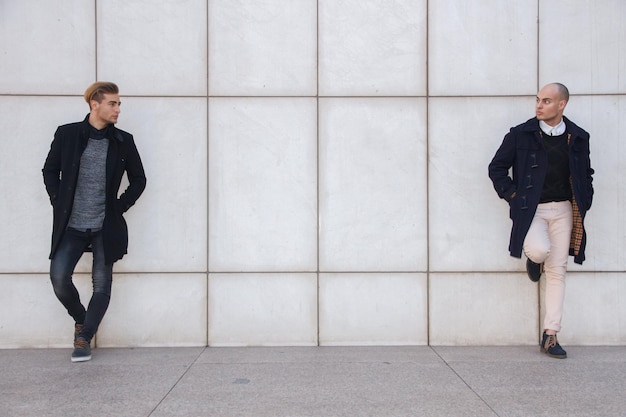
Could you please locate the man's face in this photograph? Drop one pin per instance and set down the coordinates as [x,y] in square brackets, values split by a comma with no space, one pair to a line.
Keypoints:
[550,105]
[108,110]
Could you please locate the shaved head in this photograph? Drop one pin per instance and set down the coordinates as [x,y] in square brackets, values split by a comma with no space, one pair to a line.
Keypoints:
[551,101]
[563,91]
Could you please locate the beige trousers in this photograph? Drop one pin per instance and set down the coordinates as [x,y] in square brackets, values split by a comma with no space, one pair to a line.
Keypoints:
[548,242]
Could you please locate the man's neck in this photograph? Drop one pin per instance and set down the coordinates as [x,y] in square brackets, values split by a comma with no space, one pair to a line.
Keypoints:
[98,124]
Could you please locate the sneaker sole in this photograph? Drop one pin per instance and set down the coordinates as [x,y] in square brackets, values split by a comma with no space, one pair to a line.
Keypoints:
[81,359]
[542,350]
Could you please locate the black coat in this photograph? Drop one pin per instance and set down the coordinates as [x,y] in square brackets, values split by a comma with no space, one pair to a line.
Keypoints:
[60,175]
[522,149]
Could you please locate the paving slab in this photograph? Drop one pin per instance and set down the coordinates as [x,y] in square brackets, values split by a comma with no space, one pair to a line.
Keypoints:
[322,382]
[314,381]
[517,381]
[117,382]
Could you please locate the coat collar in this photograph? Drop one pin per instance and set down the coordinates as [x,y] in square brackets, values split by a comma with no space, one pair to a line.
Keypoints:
[532,125]
[112,131]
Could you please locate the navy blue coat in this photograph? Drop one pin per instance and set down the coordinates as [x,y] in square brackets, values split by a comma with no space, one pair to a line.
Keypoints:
[522,150]
[60,174]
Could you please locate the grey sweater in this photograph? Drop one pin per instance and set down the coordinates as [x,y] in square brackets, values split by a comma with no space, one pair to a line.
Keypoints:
[90,195]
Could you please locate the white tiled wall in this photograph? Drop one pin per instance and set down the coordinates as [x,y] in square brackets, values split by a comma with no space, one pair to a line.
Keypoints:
[372,48]
[263,309]
[167,309]
[373,309]
[262,184]
[46,48]
[317,169]
[30,314]
[591,58]
[482,309]
[597,310]
[486,47]
[168,224]
[153,48]
[266,49]
[372,189]
[469,225]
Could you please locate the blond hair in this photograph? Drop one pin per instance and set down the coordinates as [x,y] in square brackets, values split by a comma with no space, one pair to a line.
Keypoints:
[97,90]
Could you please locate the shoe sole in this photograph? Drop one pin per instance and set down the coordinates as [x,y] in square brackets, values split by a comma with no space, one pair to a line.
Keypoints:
[542,350]
[81,359]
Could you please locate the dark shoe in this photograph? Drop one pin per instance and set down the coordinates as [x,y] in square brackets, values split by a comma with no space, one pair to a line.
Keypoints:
[550,345]
[533,270]
[82,350]
[77,329]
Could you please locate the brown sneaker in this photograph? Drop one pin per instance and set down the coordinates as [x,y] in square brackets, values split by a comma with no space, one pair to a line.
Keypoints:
[77,329]
[82,350]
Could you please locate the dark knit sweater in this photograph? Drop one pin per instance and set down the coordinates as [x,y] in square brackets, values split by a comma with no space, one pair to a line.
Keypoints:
[556,185]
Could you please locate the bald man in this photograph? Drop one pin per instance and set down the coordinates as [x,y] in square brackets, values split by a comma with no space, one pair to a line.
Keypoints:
[549,192]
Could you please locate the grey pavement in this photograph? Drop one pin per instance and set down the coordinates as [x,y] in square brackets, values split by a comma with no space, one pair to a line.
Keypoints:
[314,381]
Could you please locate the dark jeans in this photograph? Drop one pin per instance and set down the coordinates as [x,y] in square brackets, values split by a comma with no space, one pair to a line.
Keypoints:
[62,266]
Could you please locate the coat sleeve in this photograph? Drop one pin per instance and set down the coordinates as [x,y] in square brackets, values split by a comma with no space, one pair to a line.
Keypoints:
[136,178]
[500,166]
[52,168]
